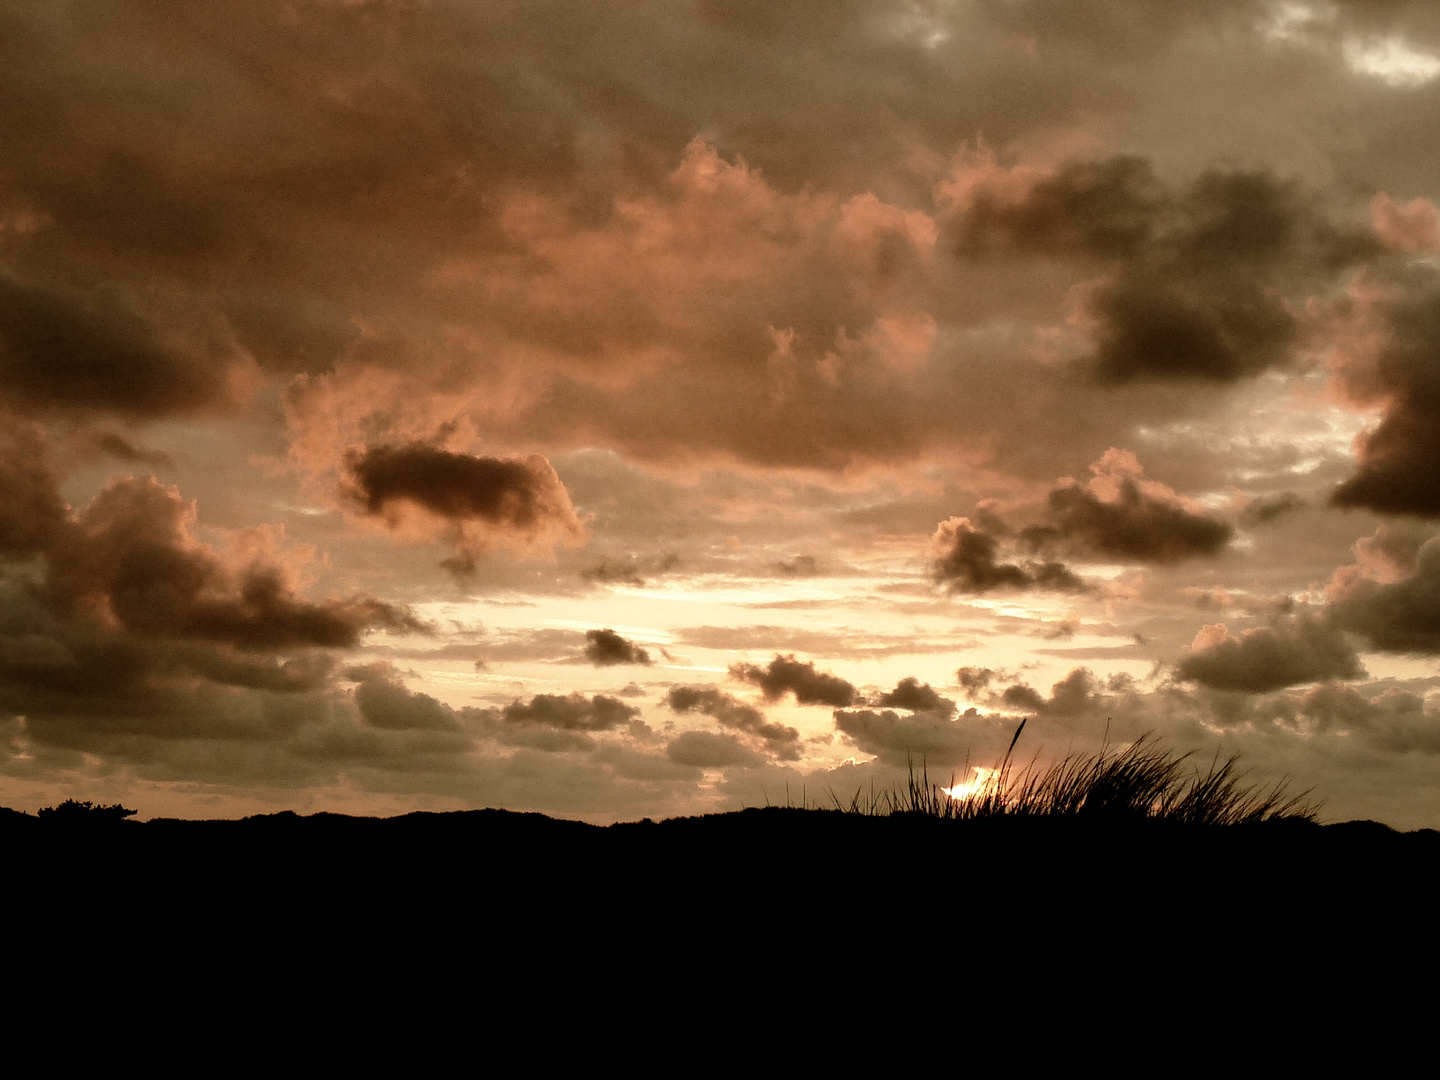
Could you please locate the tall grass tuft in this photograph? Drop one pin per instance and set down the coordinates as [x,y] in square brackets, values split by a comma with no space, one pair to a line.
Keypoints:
[1142,781]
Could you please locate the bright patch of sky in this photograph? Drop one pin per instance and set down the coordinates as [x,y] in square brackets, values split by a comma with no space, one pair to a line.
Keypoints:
[1392,61]
[1295,22]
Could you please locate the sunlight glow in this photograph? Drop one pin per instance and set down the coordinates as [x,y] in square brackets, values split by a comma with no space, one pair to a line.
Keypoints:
[985,782]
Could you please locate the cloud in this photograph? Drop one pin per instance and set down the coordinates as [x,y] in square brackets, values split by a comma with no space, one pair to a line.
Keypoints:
[707,750]
[605,647]
[509,496]
[930,737]
[385,703]
[1199,277]
[630,570]
[910,693]
[1118,514]
[75,353]
[571,712]
[1023,698]
[1399,616]
[1399,470]
[33,516]
[129,554]
[1301,649]
[974,679]
[785,674]
[128,635]
[1160,329]
[1395,720]
[1389,598]
[1270,508]
[729,711]
[1094,208]
[969,563]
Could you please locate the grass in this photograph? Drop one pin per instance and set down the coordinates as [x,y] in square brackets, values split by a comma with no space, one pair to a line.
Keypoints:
[1143,781]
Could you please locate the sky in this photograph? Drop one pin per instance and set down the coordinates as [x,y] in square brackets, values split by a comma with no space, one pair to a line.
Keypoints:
[624,409]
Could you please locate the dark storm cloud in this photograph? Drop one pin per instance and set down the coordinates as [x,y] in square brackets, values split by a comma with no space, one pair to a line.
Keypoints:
[1206,302]
[1119,515]
[1399,470]
[129,555]
[1022,698]
[129,635]
[520,494]
[910,693]
[33,516]
[74,353]
[386,704]
[663,230]
[571,712]
[129,552]
[458,192]
[974,679]
[1154,327]
[606,647]
[785,674]
[969,563]
[548,723]
[707,750]
[1301,649]
[1397,614]
[1200,276]
[729,711]
[1105,208]
[1400,616]
[1395,719]
[1135,526]
[1078,694]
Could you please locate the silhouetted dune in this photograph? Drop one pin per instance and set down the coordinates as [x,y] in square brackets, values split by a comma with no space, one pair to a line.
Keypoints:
[754,850]
[528,901]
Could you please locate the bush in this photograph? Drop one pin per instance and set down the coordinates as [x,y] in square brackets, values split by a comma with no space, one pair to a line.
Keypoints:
[77,812]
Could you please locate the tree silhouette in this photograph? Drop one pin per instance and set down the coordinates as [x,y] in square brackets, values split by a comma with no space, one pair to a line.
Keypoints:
[86,812]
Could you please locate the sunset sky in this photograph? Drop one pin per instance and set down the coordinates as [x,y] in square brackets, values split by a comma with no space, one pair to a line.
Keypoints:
[622,409]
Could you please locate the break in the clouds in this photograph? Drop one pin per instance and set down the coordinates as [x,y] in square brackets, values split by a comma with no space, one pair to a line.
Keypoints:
[882,357]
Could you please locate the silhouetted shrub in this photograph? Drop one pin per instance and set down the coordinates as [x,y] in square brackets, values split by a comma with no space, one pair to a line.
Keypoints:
[74,811]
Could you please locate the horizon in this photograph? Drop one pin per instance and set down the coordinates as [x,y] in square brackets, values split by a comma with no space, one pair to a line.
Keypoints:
[618,411]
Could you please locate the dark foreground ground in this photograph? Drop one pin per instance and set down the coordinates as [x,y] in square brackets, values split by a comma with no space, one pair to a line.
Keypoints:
[854,916]
[755,866]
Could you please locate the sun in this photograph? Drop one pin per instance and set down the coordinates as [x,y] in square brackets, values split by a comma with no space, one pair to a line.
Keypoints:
[985,781]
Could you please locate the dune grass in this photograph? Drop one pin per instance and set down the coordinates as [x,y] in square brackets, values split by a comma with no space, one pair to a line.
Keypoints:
[1142,781]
